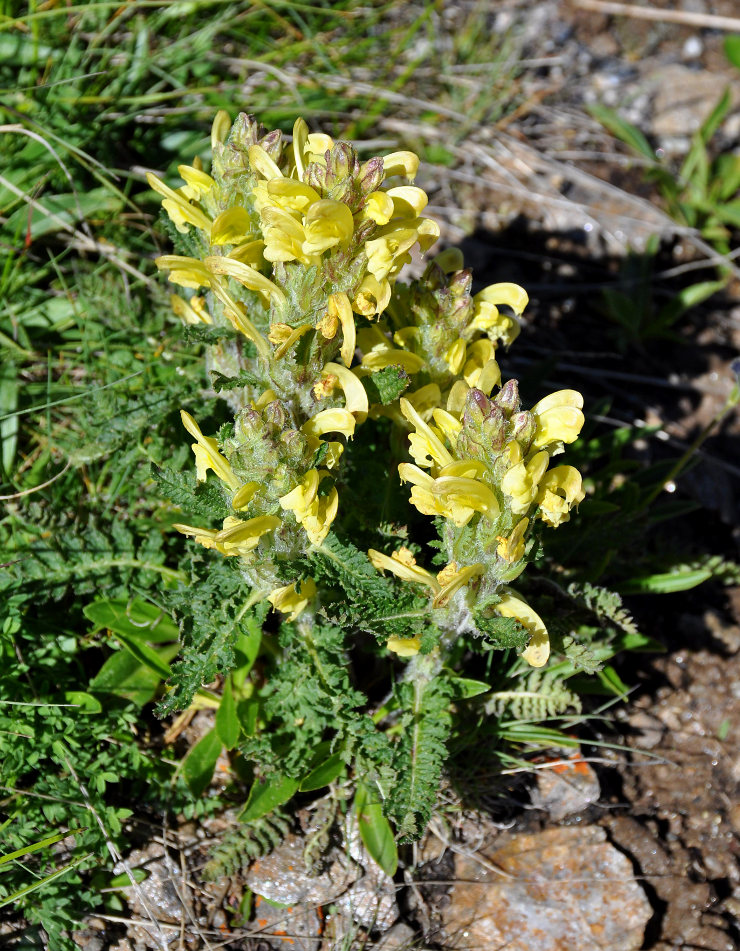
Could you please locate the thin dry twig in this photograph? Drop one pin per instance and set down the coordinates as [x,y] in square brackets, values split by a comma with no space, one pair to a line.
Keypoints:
[705,21]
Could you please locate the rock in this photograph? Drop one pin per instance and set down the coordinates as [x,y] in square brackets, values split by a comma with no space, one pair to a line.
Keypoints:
[299,928]
[566,787]
[567,889]
[684,98]
[282,876]
[399,938]
[371,901]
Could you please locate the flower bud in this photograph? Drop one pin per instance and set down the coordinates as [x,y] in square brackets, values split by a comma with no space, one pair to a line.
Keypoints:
[315,176]
[508,397]
[371,175]
[523,429]
[272,143]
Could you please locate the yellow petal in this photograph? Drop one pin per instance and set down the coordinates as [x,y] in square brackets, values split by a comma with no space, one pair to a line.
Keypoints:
[262,163]
[404,646]
[330,421]
[340,307]
[246,275]
[231,226]
[300,141]
[510,294]
[220,128]
[404,571]
[354,392]
[538,650]
[401,163]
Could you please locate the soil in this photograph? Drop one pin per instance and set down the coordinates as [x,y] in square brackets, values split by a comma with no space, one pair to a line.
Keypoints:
[550,200]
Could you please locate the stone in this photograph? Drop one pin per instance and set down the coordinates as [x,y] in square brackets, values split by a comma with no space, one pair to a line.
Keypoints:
[566,787]
[282,876]
[566,889]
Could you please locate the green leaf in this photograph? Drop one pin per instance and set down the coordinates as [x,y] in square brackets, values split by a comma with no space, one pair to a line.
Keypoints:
[9,391]
[145,655]
[222,382]
[125,676]
[463,688]
[86,702]
[28,849]
[375,830]
[268,795]
[502,632]
[386,385]
[619,127]
[227,721]
[135,618]
[716,117]
[198,765]
[324,774]
[60,212]
[612,681]
[124,879]
[732,49]
[667,583]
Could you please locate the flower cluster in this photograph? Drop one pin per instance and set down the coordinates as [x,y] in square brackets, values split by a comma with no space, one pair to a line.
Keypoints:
[298,246]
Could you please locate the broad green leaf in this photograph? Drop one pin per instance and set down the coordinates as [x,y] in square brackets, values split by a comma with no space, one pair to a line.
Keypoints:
[732,49]
[85,701]
[268,795]
[463,688]
[666,583]
[125,676]
[135,618]
[227,721]
[375,830]
[246,649]
[9,390]
[145,655]
[324,774]
[198,765]
[623,130]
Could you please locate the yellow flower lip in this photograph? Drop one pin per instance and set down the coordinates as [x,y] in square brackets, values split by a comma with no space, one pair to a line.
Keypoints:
[457,581]
[262,163]
[538,649]
[292,601]
[468,492]
[356,401]
[404,646]
[403,565]
[401,163]
[436,448]
[388,357]
[243,536]
[512,295]
[340,308]
[330,421]
[207,455]
[248,276]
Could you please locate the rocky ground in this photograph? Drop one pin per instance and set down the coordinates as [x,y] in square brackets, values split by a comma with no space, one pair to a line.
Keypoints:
[621,848]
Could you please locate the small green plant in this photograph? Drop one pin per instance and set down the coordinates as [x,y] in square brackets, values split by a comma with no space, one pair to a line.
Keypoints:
[702,192]
[339,378]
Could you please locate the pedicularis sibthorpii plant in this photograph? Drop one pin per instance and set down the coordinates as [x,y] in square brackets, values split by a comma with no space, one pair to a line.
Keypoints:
[353,393]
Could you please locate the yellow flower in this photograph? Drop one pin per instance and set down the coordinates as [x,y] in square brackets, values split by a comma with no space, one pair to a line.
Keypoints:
[355,396]
[559,418]
[292,601]
[207,455]
[372,296]
[403,564]
[538,649]
[231,226]
[387,251]
[340,309]
[560,490]
[454,579]
[330,421]
[178,208]
[192,311]
[426,448]
[327,223]
[401,163]
[511,548]
[404,646]
[240,537]
[520,482]
[314,512]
